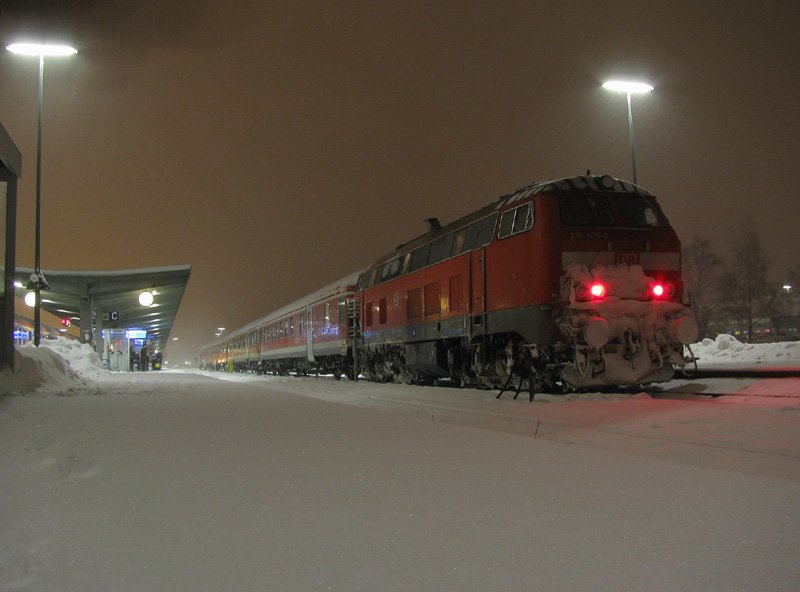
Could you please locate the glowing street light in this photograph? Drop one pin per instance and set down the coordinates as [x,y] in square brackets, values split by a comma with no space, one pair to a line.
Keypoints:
[38,283]
[629,88]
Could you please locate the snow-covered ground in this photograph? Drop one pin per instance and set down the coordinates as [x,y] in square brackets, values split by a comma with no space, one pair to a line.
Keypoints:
[181,481]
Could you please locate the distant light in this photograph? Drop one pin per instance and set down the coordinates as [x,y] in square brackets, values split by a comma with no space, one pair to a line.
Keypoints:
[30,299]
[174,339]
[628,87]
[36,49]
[17,284]
[146,298]
[220,328]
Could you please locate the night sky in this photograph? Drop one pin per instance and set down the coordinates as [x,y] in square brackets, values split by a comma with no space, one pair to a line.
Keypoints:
[278,146]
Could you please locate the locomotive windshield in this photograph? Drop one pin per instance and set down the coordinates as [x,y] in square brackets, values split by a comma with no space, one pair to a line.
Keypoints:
[612,209]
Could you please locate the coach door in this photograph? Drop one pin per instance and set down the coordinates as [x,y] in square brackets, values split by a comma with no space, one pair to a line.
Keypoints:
[477,291]
[309,335]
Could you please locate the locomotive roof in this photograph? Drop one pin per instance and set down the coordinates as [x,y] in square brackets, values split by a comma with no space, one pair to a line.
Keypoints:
[583,183]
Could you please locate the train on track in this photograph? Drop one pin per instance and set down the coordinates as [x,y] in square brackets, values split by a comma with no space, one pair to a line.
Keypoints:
[566,284]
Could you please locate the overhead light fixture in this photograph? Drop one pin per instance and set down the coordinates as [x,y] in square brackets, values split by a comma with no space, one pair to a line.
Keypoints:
[37,49]
[146,298]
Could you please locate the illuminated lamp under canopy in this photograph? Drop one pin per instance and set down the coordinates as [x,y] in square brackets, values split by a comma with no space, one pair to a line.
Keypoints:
[146,298]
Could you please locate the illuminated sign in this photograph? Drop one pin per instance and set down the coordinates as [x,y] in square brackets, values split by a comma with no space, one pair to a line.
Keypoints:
[136,334]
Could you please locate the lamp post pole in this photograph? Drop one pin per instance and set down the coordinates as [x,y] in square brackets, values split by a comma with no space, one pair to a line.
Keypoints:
[629,88]
[38,283]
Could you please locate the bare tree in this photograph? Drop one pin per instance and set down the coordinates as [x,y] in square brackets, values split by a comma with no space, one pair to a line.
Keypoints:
[745,280]
[701,270]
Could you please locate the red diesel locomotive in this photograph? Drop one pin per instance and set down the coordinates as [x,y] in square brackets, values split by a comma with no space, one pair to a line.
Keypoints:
[564,284]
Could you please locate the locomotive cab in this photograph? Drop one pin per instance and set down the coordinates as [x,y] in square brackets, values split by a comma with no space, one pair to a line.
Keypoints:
[620,287]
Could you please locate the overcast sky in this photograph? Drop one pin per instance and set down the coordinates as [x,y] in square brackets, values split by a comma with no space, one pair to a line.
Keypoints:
[278,146]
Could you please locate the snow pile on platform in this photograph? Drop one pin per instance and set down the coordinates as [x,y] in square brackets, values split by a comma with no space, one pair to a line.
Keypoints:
[60,366]
[727,350]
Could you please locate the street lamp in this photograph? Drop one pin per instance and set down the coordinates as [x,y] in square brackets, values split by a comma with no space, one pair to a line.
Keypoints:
[38,283]
[629,88]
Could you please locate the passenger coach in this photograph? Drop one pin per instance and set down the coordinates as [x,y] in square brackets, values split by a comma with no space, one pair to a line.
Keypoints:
[312,333]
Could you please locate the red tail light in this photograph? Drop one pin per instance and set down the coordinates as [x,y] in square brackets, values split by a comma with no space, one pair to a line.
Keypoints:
[662,290]
[597,290]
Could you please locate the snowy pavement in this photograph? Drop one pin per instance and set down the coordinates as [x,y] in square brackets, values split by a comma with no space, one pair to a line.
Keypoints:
[178,481]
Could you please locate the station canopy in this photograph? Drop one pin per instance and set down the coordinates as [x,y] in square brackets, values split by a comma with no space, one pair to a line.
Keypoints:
[115,296]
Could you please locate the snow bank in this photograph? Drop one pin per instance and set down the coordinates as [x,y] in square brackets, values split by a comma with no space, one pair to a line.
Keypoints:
[727,350]
[61,367]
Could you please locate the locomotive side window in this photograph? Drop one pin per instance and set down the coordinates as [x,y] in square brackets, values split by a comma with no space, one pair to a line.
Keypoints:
[373,275]
[458,241]
[516,221]
[436,252]
[480,233]
[418,258]
[585,210]
[391,269]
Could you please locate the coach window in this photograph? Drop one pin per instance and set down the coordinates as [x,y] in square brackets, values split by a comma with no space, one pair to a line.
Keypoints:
[327,314]
[291,326]
[302,323]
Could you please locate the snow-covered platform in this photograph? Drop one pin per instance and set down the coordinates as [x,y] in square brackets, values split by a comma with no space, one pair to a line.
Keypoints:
[179,481]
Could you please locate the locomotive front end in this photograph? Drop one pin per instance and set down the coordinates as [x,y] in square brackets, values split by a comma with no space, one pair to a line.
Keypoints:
[621,318]
[622,327]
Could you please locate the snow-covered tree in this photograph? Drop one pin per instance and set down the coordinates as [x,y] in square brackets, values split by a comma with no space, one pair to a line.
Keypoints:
[701,270]
[744,283]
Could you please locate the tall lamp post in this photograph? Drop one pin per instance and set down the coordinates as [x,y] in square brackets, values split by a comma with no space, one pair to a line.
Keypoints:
[38,283]
[629,88]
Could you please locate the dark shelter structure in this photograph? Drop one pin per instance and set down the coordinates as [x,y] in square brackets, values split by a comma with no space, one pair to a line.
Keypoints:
[10,170]
[98,300]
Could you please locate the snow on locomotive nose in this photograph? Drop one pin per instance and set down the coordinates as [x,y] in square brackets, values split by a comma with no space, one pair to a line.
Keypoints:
[623,326]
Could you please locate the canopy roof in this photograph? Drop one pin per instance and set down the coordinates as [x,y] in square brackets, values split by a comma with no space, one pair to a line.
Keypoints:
[116,292]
